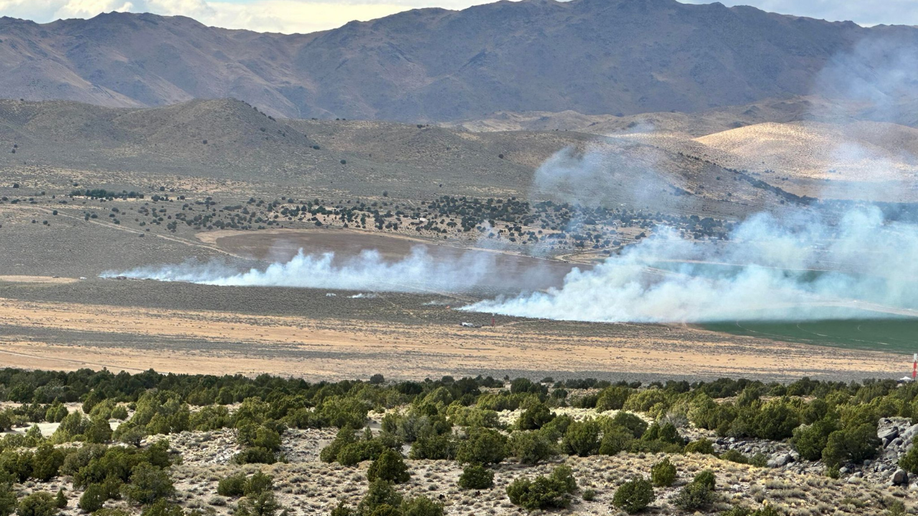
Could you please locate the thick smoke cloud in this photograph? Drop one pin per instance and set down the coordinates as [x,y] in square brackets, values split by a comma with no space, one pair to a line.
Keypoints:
[794,268]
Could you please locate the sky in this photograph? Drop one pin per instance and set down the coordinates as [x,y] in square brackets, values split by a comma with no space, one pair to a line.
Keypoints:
[300,16]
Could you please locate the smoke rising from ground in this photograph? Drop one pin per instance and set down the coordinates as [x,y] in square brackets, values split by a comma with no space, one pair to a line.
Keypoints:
[794,268]
[417,272]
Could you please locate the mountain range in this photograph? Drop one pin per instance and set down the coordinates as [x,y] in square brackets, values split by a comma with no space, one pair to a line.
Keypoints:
[594,57]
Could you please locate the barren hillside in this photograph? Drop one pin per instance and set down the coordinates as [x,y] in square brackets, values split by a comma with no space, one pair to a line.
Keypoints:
[591,56]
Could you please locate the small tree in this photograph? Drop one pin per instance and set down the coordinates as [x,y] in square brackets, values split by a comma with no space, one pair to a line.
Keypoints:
[699,494]
[390,467]
[257,484]
[581,438]
[633,496]
[484,446]
[93,498]
[421,506]
[380,493]
[535,417]
[700,446]
[548,492]
[148,484]
[663,473]
[264,504]
[7,495]
[233,485]
[60,501]
[476,476]
[531,447]
[38,504]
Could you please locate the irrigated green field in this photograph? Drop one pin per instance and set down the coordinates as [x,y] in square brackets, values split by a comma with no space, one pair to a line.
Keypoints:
[897,335]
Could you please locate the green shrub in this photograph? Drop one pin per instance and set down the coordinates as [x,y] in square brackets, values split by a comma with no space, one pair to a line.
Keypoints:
[344,437]
[663,473]
[355,453]
[38,504]
[148,484]
[734,456]
[581,438]
[99,431]
[93,498]
[71,427]
[119,412]
[342,509]
[810,441]
[556,428]
[633,423]
[909,462]
[257,484]
[7,496]
[706,478]
[535,417]
[60,501]
[700,446]
[162,508]
[46,462]
[435,447]
[665,433]
[615,439]
[551,492]
[233,485]
[264,504]
[775,421]
[390,467]
[612,398]
[476,476]
[589,495]
[694,496]
[341,411]
[851,445]
[633,496]
[531,447]
[380,493]
[484,446]
[743,511]
[255,455]
[421,506]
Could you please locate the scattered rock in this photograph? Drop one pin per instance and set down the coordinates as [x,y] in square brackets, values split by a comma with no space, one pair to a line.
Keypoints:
[780,460]
[900,478]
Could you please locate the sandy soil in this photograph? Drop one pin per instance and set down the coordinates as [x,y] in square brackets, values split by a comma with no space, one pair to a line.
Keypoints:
[38,279]
[217,342]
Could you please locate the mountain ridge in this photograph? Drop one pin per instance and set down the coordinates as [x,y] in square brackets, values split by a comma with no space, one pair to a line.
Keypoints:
[432,65]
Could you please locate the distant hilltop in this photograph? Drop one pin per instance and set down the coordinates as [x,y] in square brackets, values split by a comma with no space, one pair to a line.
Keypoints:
[434,65]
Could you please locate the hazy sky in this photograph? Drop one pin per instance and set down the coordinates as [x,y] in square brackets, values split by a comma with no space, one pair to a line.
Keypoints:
[311,15]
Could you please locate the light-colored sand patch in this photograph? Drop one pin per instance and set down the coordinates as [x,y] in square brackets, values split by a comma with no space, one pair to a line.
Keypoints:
[39,279]
[860,152]
[300,346]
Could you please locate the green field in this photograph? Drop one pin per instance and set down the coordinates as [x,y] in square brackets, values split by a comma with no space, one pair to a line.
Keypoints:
[897,335]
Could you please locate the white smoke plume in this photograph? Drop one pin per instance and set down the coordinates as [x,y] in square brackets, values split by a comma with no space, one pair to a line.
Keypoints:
[417,272]
[796,268]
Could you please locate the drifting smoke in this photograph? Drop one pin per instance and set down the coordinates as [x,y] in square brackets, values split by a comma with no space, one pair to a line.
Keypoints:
[417,272]
[804,264]
[792,269]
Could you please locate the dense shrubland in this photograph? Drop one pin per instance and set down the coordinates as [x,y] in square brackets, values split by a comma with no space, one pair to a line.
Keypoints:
[446,419]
